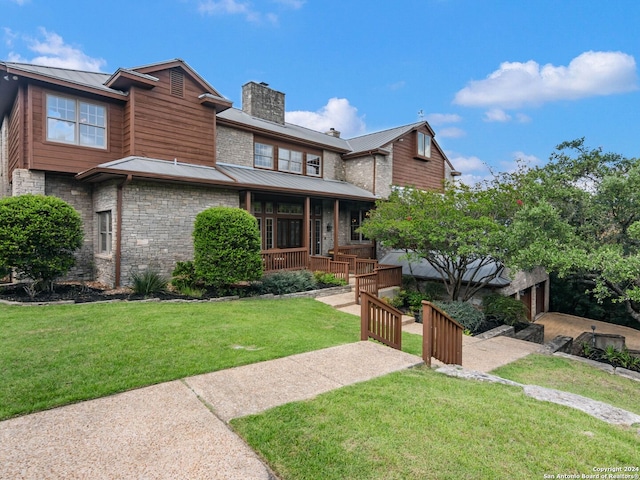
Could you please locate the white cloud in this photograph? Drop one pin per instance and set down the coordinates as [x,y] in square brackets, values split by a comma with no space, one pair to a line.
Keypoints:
[245,9]
[451,132]
[397,85]
[52,51]
[337,113]
[516,84]
[443,118]
[522,118]
[496,115]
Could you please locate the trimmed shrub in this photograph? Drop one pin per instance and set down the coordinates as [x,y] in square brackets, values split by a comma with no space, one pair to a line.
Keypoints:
[184,275]
[506,310]
[464,313]
[281,283]
[227,247]
[328,278]
[148,282]
[38,237]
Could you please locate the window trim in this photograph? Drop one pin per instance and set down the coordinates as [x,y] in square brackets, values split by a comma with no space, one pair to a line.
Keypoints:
[427,148]
[105,247]
[76,122]
[303,165]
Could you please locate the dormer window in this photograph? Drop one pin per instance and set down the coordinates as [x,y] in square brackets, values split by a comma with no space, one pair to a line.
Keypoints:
[423,149]
[77,122]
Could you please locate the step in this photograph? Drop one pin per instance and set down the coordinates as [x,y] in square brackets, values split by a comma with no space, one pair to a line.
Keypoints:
[340,300]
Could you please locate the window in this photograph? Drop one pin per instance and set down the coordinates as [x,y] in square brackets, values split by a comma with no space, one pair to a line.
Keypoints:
[424,145]
[105,232]
[263,155]
[76,122]
[313,165]
[357,216]
[289,160]
[286,159]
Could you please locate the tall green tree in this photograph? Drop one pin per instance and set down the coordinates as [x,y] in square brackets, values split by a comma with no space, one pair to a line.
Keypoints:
[584,207]
[458,232]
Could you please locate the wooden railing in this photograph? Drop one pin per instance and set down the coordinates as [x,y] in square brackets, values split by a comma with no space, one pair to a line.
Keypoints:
[389,276]
[380,321]
[367,282]
[325,264]
[367,250]
[441,336]
[285,259]
[350,259]
[365,265]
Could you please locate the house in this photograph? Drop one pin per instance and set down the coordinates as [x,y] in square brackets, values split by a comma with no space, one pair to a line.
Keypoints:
[140,152]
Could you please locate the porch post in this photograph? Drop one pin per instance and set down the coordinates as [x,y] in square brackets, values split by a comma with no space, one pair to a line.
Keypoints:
[336,222]
[247,201]
[305,226]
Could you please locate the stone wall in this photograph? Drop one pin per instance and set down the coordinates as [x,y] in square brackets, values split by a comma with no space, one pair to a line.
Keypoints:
[157,223]
[258,100]
[78,195]
[334,168]
[234,146]
[359,171]
[27,181]
[105,200]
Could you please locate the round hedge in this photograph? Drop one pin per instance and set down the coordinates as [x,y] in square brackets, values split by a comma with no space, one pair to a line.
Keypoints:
[226,246]
[38,236]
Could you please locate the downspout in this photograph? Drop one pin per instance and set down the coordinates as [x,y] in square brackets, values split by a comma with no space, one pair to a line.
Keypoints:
[121,186]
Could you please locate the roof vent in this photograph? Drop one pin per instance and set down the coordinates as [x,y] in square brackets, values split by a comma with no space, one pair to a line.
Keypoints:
[177,83]
[333,132]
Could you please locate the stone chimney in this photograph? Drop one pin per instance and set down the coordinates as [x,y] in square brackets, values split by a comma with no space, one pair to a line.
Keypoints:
[333,132]
[260,101]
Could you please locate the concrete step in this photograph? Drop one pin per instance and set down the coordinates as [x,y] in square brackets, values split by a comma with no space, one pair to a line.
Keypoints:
[340,300]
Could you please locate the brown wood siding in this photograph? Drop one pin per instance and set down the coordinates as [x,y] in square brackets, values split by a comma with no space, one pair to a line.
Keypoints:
[52,156]
[127,123]
[16,134]
[167,126]
[409,171]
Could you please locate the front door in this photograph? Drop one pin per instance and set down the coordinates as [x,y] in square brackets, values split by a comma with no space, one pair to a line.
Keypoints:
[315,229]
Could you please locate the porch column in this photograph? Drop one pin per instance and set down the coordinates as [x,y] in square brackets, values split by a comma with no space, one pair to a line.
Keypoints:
[336,222]
[247,201]
[305,225]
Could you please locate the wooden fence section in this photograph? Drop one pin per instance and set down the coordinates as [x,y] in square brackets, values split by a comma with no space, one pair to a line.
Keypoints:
[350,259]
[367,282]
[325,264]
[365,265]
[441,336]
[389,276]
[380,321]
[285,259]
[367,250]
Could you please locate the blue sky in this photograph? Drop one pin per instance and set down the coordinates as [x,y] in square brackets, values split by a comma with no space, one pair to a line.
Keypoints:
[497,79]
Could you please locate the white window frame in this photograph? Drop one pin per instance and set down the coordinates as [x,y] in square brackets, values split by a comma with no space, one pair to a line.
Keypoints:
[423,145]
[94,120]
[260,151]
[105,232]
[314,162]
[289,160]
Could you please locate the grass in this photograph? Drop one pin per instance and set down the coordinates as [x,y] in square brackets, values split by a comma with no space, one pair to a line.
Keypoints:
[575,377]
[420,424]
[55,355]
[50,356]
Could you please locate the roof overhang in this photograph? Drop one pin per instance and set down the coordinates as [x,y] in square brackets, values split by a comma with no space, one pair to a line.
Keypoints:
[124,79]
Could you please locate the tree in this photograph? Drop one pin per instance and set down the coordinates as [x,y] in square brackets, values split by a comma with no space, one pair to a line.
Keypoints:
[227,246]
[38,237]
[458,232]
[583,221]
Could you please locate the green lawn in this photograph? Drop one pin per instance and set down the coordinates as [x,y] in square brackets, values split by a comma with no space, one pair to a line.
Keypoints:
[575,377]
[54,355]
[418,424]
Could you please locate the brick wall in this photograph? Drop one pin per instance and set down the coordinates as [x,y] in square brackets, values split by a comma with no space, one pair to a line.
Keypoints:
[28,181]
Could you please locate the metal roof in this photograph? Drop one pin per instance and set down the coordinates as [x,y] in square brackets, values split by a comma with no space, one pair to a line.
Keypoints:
[285,181]
[225,174]
[78,77]
[288,129]
[423,269]
[378,140]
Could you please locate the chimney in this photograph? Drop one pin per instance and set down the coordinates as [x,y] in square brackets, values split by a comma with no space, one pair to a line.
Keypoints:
[260,101]
[333,132]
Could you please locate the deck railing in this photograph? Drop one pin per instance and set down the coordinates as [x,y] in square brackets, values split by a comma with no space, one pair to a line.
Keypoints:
[350,259]
[380,321]
[365,265]
[389,276]
[365,250]
[285,259]
[441,336]
[325,264]
[367,282]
